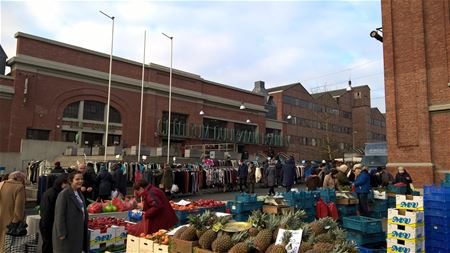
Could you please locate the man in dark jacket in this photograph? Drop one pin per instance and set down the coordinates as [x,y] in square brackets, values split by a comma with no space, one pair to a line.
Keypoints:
[47,212]
[58,169]
[289,173]
[88,180]
[105,183]
[362,188]
[251,178]
[242,175]
[313,181]
[403,177]
[120,180]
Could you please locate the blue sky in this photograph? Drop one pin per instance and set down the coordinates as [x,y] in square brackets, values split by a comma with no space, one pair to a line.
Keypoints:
[318,43]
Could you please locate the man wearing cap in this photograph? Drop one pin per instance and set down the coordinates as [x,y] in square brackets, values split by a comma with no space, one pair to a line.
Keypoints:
[362,188]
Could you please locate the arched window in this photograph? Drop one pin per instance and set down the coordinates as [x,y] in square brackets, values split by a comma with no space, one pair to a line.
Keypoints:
[71,111]
[114,115]
[92,111]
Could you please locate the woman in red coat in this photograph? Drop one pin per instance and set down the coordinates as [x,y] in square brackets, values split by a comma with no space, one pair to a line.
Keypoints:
[157,210]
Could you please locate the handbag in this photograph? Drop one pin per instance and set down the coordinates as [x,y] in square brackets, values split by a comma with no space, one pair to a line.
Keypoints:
[21,244]
[17,229]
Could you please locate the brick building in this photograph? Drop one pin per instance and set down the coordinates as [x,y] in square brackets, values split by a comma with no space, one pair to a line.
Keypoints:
[416,43]
[328,124]
[58,92]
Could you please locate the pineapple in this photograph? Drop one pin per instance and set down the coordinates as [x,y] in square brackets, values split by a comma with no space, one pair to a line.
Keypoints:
[305,247]
[189,234]
[324,238]
[257,219]
[278,249]
[180,231]
[202,222]
[339,234]
[345,247]
[207,239]
[222,244]
[264,237]
[323,247]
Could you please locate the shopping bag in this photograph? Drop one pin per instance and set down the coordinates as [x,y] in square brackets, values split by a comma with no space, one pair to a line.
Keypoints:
[21,244]
[333,211]
[321,209]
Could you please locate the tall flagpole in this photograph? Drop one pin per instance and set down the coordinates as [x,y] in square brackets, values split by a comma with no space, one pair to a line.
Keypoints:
[170,95]
[142,100]
[109,85]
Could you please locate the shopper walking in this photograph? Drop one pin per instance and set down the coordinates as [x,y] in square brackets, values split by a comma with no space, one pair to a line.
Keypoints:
[70,233]
[157,210]
[105,183]
[271,176]
[362,189]
[289,173]
[251,178]
[47,212]
[330,180]
[12,202]
[242,175]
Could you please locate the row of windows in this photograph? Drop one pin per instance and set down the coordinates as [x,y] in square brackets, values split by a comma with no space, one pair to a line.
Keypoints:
[316,107]
[378,123]
[376,136]
[317,142]
[92,110]
[319,125]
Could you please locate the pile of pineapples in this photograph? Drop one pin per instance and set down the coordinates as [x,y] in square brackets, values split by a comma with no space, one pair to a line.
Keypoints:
[320,236]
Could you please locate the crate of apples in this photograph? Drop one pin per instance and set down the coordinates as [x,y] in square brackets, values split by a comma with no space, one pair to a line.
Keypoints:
[208,203]
[159,237]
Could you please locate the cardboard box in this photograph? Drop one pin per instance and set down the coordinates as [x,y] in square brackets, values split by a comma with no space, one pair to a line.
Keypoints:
[160,248]
[181,246]
[133,244]
[409,202]
[401,246]
[200,250]
[405,217]
[379,195]
[120,235]
[145,246]
[99,240]
[277,209]
[405,232]
[346,201]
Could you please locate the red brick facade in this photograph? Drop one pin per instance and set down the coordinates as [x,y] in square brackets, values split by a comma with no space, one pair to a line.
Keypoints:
[416,45]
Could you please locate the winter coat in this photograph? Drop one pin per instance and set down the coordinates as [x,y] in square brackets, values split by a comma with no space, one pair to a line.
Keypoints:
[157,209]
[167,179]
[89,181]
[341,180]
[386,178]
[362,182]
[289,173]
[313,182]
[71,223]
[12,205]
[47,206]
[243,171]
[58,169]
[329,181]
[105,183]
[120,181]
[251,177]
[271,175]
[403,178]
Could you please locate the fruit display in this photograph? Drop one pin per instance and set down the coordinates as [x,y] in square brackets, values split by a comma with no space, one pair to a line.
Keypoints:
[201,203]
[115,205]
[103,223]
[159,237]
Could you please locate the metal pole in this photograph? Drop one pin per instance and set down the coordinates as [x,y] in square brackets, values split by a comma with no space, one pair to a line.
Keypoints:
[170,95]
[109,84]
[142,100]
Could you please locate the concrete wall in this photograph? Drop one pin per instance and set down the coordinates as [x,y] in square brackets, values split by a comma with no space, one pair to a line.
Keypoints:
[10,160]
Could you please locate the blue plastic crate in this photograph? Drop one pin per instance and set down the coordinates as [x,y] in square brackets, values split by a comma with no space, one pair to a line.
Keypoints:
[303,204]
[242,207]
[437,224]
[437,213]
[241,216]
[379,206]
[445,184]
[431,204]
[363,224]
[244,197]
[362,238]
[440,194]
[370,249]
[221,209]
[327,194]
[435,250]
[438,244]
[183,214]
[397,189]
[347,210]
[391,201]
[437,236]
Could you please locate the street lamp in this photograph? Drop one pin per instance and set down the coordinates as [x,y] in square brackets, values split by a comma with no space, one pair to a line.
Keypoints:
[242,107]
[289,117]
[170,94]
[201,112]
[109,84]
[142,100]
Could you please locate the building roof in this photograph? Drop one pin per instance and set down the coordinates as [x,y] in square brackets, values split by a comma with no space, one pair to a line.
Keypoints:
[283,87]
[335,93]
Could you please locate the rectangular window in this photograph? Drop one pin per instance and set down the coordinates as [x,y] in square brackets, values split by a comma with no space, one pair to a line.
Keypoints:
[178,123]
[38,134]
[213,128]
[68,136]
[94,111]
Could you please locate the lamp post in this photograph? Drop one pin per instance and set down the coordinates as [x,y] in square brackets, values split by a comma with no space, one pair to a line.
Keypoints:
[142,100]
[170,94]
[109,84]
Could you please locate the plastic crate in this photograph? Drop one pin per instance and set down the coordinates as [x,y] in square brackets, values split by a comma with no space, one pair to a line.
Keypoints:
[437,236]
[445,184]
[328,195]
[431,204]
[437,224]
[440,194]
[362,238]
[304,204]
[183,214]
[347,210]
[397,189]
[378,214]
[435,250]
[438,213]
[372,249]
[447,177]
[379,205]
[244,197]
[242,207]
[241,216]
[430,242]
[221,209]
[391,202]
[363,224]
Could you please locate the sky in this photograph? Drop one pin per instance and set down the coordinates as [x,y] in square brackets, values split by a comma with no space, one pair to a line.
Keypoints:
[321,44]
